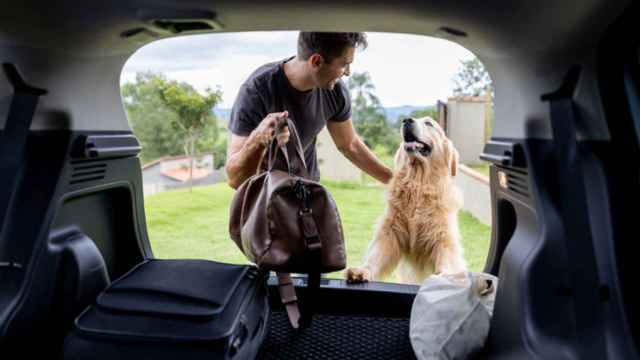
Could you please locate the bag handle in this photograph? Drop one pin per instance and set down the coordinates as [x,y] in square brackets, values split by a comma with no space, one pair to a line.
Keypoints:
[272,155]
[295,140]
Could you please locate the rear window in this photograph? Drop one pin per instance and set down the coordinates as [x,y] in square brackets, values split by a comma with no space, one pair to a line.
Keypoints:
[397,76]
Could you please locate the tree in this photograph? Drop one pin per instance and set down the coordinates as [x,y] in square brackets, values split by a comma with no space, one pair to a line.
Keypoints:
[220,151]
[361,86]
[472,79]
[430,111]
[170,118]
[368,115]
[194,117]
[150,119]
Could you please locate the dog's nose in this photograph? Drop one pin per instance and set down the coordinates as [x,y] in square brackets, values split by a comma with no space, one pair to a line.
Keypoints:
[407,121]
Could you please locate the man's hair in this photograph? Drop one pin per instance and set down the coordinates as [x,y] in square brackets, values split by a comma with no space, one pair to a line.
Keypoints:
[330,45]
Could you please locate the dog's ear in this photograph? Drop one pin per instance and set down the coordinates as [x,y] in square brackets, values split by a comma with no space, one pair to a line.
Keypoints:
[453,158]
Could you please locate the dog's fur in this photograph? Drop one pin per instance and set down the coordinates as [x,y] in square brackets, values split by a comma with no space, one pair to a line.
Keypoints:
[419,231]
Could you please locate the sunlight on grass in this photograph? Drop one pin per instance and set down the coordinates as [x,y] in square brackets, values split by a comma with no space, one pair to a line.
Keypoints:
[482,169]
[187,225]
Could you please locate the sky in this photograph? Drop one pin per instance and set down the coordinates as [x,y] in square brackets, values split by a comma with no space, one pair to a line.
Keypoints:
[405,69]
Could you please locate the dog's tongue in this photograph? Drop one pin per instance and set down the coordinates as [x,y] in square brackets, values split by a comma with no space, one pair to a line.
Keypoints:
[412,145]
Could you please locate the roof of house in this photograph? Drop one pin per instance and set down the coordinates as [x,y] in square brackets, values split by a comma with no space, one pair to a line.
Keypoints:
[468,98]
[167,158]
[182,174]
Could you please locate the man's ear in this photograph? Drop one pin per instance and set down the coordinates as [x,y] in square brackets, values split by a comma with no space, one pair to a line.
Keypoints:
[316,60]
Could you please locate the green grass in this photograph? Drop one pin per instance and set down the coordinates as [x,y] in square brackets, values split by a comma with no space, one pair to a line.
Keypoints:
[476,237]
[483,169]
[187,225]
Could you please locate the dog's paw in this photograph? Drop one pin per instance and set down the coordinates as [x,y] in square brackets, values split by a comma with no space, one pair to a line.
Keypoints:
[357,275]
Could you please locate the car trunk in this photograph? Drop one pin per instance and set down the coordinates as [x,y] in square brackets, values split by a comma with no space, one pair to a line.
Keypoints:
[364,321]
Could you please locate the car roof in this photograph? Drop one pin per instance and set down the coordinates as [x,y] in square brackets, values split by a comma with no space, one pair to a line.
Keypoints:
[78,48]
[493,27]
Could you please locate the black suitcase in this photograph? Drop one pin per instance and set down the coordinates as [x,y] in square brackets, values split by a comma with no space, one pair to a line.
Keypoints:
[175,309]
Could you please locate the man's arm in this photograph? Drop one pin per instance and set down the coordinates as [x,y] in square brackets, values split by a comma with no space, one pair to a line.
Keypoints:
[354,149]
[245,152]
[243,158]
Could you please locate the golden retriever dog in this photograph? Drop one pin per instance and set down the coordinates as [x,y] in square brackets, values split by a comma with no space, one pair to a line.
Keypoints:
[419,232]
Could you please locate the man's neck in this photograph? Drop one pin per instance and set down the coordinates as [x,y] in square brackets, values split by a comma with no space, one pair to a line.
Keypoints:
[296,72]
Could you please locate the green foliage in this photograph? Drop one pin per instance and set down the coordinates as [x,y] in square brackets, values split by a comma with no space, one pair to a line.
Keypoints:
[368,114]
[193,109]
[385,154]
[220,151]
[172,118]
[150,119]
[430,111]
[472,79]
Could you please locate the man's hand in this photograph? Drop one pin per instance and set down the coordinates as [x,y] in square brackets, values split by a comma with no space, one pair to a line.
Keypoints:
[271,125]
[283,135]
[244,153]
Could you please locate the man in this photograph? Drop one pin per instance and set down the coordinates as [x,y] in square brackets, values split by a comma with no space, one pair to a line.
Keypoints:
[307,89]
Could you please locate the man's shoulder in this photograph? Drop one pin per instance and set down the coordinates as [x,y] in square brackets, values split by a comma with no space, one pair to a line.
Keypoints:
[265,74]
[341,88]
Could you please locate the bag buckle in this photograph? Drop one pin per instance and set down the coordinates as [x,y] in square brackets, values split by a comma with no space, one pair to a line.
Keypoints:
[302,193]
[309,227]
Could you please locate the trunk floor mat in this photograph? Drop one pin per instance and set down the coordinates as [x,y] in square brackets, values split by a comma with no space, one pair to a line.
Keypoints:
[338,337]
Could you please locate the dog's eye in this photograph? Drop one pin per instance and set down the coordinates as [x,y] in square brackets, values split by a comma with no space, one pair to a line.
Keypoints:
[428,123]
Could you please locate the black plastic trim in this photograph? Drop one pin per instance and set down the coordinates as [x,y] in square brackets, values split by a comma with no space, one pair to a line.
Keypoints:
[110,146]
[504,153]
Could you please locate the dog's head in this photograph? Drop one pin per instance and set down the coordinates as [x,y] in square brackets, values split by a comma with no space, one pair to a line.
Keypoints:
[425,144]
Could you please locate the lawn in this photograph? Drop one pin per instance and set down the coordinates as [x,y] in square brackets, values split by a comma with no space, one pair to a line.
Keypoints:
[482,169]
[184,224]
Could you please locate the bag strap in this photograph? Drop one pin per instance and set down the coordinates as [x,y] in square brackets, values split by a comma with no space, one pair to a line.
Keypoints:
[272,155]
[297,143]
[272,152]
[313,246]
[310,231]
[289,298]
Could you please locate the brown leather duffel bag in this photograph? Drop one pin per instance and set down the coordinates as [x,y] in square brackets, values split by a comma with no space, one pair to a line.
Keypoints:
[284,222]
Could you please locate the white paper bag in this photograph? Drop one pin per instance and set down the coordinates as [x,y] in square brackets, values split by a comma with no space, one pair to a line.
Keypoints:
[451,314]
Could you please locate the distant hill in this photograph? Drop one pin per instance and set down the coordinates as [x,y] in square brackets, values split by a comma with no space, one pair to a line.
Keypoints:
[223,114]
[392,113]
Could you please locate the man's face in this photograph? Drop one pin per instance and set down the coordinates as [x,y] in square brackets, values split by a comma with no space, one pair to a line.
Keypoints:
[328,74]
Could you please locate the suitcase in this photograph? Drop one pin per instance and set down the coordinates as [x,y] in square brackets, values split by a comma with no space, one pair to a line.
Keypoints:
[175,309]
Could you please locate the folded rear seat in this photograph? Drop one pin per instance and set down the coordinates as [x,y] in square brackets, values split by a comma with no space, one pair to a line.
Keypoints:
[175,309]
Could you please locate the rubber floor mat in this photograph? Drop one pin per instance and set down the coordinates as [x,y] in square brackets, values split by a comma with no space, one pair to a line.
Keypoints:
[338,337]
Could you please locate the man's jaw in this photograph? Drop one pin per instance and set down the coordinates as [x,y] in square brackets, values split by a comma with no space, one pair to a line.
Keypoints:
[331,84]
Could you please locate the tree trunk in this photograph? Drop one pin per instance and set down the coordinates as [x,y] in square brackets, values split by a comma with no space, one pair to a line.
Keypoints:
[192,145]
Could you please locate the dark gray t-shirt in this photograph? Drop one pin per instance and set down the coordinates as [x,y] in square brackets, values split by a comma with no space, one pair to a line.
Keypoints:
[268,90]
